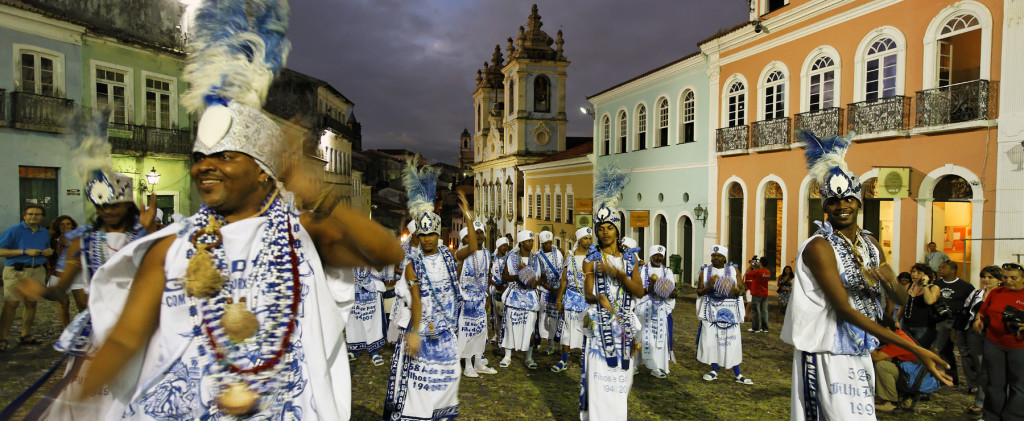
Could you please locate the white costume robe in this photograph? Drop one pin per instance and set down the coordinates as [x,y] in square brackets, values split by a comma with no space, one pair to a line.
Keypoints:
[172,378]
[497,306]
[473,318]
[548,316]
[571,328]
[718,338]
[426,387]
[608,372]
[365,328]
[655,313]
[400,308]
[521,303]
[833,375]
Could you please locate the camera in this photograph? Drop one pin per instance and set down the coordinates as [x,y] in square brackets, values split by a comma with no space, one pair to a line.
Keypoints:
[1013,318]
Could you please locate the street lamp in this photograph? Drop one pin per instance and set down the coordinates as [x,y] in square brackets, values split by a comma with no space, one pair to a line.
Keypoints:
[701,214]
[587,111]
[153,177]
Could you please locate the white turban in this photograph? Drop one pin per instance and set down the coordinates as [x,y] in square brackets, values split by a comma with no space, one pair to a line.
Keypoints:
[523,236]
[656,249]
[545,236]
[720,249]
[462,233]
[629,243]
[501,242]
[478,226]
[583,232]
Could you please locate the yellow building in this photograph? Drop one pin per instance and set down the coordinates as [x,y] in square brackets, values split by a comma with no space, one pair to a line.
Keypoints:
[553,187]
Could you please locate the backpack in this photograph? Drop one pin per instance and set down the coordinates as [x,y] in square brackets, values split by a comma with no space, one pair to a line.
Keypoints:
[915,379]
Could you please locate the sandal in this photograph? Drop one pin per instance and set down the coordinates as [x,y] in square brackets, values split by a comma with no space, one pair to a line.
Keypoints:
[560,367]
[377,360]
[30,340]
[974,410]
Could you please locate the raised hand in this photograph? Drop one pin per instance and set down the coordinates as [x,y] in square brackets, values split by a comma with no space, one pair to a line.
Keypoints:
[147,214]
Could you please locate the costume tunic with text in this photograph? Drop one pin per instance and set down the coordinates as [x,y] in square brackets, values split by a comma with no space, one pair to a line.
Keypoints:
[178,376]
[573,303]
[426,387]
[548,316]
[720,314]
[473,319]
[607,372]
[655,313]
[522,302]
[365,330]
[833,376]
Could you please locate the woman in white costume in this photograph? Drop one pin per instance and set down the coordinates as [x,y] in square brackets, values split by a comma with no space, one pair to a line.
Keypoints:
[720,310]
[655,312]
[610,325]
[571,299]
[365,328]
[522,302]
[474,273]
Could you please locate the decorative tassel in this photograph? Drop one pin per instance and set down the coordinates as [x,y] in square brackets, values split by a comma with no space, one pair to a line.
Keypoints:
[238,322]
[202,279]
[237,400]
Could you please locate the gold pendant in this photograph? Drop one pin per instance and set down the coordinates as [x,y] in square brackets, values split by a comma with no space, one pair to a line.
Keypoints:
[237,399]
[431,327]
[238,322]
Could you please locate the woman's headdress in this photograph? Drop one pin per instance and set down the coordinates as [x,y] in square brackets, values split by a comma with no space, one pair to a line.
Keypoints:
[608,185]
[90,153]
[421,185]
[235,50]
[826,161]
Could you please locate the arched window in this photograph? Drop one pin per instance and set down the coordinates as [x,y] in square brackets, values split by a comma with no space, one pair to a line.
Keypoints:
[529,204]
[498,199]
[958,30]
[663,122]
[775,95]
[622,132]
[606,126]
[536,202]
[822,84]
[541,90]
[881,69]
[547,206]
[479,116]
[558,207]
[511,200]
[689,122]
[570,206]
[510,104]
[641,127]
[737,102]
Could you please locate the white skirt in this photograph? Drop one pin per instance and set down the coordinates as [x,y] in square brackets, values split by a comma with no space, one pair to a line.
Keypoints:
[719,346]
[365,328]
[425,387]
[518,329]
[572,329]
[473,328]
[606,389]
[824,390]
[549,317]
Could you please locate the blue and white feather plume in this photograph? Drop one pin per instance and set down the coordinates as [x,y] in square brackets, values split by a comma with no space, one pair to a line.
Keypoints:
[421,186]
[609,182]
[826,163]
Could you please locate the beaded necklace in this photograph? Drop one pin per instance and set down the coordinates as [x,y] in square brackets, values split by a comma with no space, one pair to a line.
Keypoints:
[98,249]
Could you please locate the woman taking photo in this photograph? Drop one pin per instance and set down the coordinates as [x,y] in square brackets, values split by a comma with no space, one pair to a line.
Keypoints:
[785,286]
[1000,317]
[990,278]
[916,317]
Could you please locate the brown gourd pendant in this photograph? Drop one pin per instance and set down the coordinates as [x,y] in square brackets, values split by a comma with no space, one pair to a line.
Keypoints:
[237,399]
[238,322]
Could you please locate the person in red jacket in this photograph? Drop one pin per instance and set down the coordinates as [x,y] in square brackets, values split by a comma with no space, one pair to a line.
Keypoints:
[759,279]
[1004,346]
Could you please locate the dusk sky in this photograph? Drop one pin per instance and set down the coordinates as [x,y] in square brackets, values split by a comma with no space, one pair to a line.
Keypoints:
[410,65]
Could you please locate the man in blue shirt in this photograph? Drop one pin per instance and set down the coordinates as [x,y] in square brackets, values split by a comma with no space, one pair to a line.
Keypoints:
[25,247]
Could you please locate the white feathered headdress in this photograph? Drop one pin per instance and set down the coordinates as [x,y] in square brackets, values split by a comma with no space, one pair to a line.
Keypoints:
[608,185]
[421,185]
[90,151]
[826,162]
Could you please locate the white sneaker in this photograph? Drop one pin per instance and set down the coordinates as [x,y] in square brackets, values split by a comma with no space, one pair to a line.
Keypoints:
[486,370]
[470,372]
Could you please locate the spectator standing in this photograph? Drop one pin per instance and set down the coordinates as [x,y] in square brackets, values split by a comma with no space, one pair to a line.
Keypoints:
[1004,347]
[759,278]
[915,317]
[60,226]
[26,246]
[954,292]
[989,278]
[934,257]
[785,287]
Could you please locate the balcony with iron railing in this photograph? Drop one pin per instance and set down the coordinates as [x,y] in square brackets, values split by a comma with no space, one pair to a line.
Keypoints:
[39,112]
[130,139]
[733,139]
[3,108]
[823,123]
[884,115]
[770,134]
[957,103]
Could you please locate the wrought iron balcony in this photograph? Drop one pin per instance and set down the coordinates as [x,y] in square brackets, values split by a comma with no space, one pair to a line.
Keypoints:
[130,139]
[39,112]
[770,133]
[823,123]
[882,115]
[957,103]
[734,138]
[3,107]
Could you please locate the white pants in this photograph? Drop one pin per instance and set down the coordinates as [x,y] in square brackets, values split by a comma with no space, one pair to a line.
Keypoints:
[835,387]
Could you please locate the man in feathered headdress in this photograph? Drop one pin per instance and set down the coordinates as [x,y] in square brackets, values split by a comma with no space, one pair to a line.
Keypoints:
[655,312]
[475,276]
[571,300]
[424,380]
[835,306]
[611,327]
[212,281]
[549,315]
[720,312]
[522,302]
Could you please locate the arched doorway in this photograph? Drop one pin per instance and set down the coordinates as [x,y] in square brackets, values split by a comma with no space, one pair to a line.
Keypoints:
[952,218]
[735,239]
[814,211]
[773,225]
[622,225]
[878,216]
[661,224]
[684,246]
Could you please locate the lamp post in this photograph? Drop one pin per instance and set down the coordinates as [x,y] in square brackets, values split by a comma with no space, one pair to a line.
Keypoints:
[152,178]
[701,214]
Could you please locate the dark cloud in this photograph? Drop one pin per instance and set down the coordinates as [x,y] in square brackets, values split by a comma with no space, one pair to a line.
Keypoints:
[410,66]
